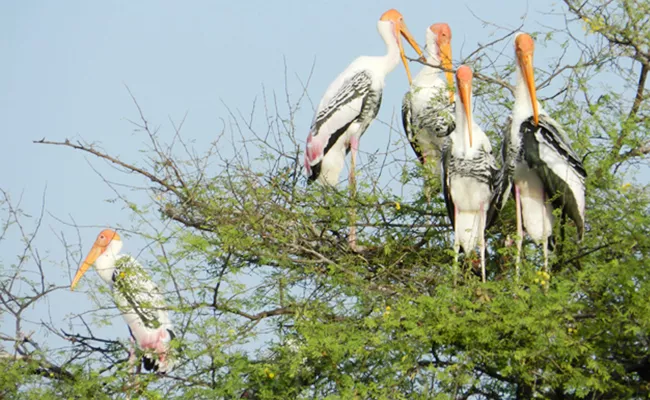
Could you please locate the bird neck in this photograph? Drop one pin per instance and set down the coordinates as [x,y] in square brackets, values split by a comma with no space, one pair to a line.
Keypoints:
[429,76]
[105,264]
[392,58]
[432,55]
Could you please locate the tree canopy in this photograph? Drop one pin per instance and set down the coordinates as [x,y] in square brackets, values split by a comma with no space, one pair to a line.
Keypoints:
[387,321]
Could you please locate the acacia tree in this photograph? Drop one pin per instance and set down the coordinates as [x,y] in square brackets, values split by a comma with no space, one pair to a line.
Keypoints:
[315,319]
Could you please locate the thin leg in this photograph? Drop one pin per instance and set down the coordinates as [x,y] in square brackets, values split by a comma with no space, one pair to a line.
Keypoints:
[545,244]
[520,231]
[352,240]
[136,371]
[456,251]
[546,228]
[456,248]
[132,354]
[482,242]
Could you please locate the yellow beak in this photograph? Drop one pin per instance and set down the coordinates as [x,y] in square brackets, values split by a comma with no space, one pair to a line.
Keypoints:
[403,30]
[445,55]
[465,92]
[526,64]
[92,256]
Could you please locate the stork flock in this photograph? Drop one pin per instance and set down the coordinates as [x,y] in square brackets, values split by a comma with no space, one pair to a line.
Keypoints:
[537,164]
[537,161]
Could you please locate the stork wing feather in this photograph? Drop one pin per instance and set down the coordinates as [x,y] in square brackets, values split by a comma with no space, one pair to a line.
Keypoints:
[334,116]
[547,149]
[134,292]
[443,121]
[446,191]
[407,122]
[504,177]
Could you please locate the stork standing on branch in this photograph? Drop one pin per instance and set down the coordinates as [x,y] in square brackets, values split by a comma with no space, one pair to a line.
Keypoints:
[538,161]
[428,107]
[136,296]
[468,172]
[350,104]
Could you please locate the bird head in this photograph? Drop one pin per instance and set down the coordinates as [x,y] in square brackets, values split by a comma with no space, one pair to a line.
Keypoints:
[393,16]
[104,239]
[442,36]
[524,49]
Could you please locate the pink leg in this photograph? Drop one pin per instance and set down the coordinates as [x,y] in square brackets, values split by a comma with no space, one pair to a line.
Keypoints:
[520,230]
[545,242]
[161,348]
[482,242]
[132,354]
[456,246]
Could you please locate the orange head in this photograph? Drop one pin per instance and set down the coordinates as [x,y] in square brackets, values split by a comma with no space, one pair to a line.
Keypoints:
[104,238]
[443,40]
[397,19]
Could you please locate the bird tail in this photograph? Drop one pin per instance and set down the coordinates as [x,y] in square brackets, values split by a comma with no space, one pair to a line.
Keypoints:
[161,362]
[153,362]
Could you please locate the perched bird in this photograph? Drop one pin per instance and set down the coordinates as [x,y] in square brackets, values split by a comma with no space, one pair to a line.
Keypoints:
[468,174]
[136,296]
[539,161]
[351,103]
[428,107]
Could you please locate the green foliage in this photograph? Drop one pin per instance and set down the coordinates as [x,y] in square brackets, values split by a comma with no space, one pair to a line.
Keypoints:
[272,303]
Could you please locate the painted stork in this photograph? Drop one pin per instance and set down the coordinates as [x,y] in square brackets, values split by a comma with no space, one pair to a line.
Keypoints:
[428,107]
[538,161]
[136,296]
[351,103]
[468,172]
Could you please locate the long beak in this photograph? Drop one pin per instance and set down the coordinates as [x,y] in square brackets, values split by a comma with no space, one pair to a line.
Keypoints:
[445,56]
[92,256]
[464,89]
[526,62]
[403,30]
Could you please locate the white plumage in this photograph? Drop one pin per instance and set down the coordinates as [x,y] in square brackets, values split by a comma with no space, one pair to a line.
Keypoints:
[350,104]
[539,161]
[428,106]
[136,296]
[468,171]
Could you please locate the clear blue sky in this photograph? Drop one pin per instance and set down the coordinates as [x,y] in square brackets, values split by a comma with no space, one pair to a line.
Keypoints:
[64,66]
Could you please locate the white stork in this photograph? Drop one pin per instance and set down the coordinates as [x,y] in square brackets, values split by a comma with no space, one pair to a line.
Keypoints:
[428,107]
[468,172]
[351,103]
[136,296]
[539,160]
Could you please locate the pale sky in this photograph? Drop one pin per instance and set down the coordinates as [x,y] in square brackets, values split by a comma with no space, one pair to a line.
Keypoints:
[64,67]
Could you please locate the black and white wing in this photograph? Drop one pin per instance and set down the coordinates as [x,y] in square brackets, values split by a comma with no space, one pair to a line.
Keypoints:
[426,127]
[547,150]
[340,107]
[504,177]
[407,123]
[445,172]
[143,308]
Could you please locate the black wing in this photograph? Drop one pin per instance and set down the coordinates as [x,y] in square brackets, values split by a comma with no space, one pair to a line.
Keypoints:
[562,193]
[356,88]
[446,192]
[503,178]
